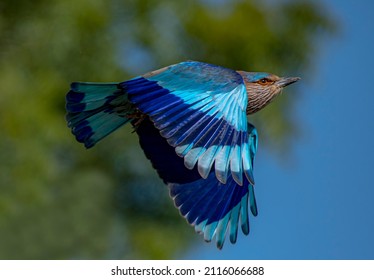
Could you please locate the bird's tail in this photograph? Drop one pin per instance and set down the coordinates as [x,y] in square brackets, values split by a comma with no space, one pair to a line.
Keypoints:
[95,110]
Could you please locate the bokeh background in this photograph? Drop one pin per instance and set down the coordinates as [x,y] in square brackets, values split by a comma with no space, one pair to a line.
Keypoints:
[315,161]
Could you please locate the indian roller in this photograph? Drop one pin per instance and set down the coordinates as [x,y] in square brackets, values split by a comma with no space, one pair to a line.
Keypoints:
[191,120]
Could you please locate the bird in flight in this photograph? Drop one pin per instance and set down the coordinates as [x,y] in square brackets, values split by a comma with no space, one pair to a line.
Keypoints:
[191,120]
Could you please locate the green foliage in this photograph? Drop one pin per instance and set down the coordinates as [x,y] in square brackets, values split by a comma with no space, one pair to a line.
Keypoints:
[58,200]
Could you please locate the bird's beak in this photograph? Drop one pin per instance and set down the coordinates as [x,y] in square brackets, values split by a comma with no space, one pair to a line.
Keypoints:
[283,82]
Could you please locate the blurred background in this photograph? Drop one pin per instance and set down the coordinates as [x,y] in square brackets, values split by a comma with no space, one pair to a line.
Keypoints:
[314,165]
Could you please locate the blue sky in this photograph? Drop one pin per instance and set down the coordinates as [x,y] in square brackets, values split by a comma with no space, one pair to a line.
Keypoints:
[319,203]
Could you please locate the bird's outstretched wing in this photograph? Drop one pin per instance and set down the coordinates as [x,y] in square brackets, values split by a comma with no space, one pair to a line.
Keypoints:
[201,110]
[213,208]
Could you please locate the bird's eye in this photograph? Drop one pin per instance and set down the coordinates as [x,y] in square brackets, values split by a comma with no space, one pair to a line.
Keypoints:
[263,81]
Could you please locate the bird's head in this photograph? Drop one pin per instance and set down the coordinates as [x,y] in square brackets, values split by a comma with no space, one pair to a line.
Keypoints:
[263,87]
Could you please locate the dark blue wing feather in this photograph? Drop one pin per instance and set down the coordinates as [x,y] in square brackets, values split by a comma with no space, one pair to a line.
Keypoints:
[213,207]
[201,110]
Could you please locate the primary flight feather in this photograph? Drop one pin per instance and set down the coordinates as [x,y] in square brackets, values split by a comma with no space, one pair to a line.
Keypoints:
[191,119]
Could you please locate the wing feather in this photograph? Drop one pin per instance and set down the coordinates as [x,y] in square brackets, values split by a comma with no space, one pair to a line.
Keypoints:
[201,110]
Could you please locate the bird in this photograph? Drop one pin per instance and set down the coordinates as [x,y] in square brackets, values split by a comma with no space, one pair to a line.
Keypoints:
[191,121]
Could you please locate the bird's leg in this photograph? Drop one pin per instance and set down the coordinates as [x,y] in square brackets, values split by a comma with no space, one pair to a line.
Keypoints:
[137,117]
[137,122]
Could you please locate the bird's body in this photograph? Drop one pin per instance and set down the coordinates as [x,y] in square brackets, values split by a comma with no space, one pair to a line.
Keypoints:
[191,119]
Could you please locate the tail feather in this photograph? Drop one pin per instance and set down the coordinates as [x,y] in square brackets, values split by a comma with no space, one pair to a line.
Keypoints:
[95,110]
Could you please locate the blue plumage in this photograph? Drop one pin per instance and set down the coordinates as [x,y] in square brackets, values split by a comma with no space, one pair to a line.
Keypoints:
[191,119]
[199,200]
